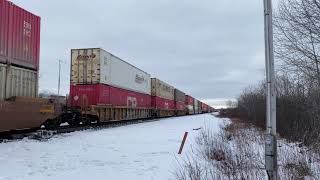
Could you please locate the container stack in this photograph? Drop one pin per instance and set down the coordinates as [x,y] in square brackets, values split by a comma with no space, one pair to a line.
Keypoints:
[100,78]
[196,106]
[189,104]
[179,102]
[19,51]
[204,108]
[162,96]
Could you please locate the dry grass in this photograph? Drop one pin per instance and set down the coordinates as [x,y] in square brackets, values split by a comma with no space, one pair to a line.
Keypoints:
[237,152]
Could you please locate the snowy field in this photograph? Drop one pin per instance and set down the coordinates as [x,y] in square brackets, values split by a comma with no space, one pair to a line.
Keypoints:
[145,151]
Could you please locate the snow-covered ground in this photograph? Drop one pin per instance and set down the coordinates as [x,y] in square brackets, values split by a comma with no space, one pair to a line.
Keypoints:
[146,151]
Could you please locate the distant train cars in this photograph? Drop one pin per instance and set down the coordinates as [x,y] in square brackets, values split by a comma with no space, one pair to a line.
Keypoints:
[103,87]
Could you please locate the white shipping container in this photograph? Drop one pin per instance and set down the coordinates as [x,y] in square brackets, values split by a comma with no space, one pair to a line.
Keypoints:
[190,109]
[161,89]
[95,65]
[3,75]
[16,81]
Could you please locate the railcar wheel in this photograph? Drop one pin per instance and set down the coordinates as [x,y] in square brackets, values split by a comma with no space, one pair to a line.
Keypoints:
[74,120]
[51,124]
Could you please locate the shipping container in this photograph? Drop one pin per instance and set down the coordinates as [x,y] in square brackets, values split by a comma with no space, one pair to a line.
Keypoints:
[19,36]
[161,89]
[179,105]
[17,81]
[162,103]
[189,104]
[101,94]
[21,82]
[204,108]
[97,66]
[179,96]
[3,77]
[4,30]
[26,113]
[196,106]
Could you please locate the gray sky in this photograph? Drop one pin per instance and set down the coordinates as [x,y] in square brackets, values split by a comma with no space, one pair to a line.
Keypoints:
[208,48]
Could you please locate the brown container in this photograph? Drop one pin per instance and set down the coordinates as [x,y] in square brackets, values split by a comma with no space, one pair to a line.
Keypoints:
[179,96]
[25,113]
[161,89]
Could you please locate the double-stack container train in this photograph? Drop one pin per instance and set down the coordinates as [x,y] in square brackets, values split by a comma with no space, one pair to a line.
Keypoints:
[162,98]
[189,102]
[179,102]
[103,87]
[19,66]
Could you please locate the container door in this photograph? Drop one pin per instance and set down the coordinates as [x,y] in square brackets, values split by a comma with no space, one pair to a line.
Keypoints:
[21,82]
[85,66]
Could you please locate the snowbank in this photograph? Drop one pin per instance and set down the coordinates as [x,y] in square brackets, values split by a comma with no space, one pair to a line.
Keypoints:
[140,151]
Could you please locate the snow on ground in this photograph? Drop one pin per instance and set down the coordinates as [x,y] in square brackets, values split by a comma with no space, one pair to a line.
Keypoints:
[145,151]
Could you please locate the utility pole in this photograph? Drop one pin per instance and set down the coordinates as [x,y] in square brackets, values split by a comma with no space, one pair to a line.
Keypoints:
[271,138]
[59,78]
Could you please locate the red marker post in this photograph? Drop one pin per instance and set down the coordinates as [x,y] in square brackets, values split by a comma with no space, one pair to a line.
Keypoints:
[183,142]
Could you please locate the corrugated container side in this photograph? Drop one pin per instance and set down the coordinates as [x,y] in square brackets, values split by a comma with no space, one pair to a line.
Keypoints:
[204,107]
[189,100]
[85,66]
[179,96]
[3,76]
[196,106]
[95,94]
[179,105]
[95,65]
[24,38]
[4,21]
[190,104]
[161,89]
[124,75]
[21,82]
[162,103]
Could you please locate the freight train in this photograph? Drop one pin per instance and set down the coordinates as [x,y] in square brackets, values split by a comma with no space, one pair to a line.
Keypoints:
[103,87]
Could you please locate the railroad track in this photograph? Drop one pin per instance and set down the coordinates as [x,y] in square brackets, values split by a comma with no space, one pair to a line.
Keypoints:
[43,133]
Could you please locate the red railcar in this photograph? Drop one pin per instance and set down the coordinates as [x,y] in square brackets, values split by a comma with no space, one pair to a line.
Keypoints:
[101,94]
[19,36]
[161,103]
[179,102]
[4,20]
[205,108]
[189,104]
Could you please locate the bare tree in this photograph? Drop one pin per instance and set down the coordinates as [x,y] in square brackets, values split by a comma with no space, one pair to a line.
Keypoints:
[297,38]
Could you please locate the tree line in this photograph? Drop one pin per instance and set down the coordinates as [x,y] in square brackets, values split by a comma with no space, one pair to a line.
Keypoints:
[297,46]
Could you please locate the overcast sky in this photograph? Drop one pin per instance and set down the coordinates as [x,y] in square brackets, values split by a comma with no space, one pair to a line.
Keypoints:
[208,48]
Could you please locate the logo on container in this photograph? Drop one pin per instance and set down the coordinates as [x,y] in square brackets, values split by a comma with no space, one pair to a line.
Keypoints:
[139,79]
[27,27]
[85,57]
[166,105]
[131,101]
